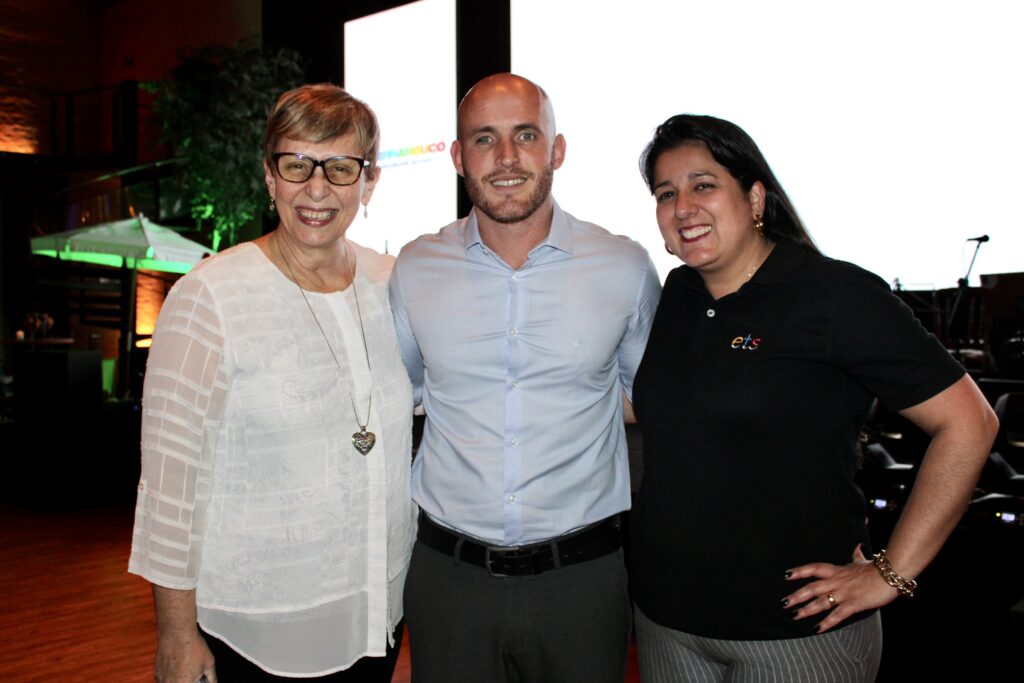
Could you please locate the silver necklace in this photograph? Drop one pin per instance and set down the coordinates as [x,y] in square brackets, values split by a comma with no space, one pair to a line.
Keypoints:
[363,440]
[764,257]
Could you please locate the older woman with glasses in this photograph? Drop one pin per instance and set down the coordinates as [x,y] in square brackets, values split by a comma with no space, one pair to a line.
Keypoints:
[274,517]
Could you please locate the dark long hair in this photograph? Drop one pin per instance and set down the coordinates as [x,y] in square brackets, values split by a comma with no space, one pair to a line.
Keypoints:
[738,153]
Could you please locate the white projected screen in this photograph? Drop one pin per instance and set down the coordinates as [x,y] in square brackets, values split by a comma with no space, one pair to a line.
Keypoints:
[897,128]
[402,63]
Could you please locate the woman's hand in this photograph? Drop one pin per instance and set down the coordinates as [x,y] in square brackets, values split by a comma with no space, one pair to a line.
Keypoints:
[854,588]
[182,655]
[183,658]
[962,427]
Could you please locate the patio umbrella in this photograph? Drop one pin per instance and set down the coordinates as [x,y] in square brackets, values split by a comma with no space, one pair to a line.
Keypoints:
[134,243]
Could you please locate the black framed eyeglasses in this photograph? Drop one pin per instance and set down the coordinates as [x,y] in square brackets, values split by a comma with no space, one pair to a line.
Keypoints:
[298,168]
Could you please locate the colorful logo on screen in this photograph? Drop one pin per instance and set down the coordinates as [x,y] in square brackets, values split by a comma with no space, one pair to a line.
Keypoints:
[409,155]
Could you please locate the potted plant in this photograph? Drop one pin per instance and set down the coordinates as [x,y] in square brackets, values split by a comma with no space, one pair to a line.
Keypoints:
[212,111]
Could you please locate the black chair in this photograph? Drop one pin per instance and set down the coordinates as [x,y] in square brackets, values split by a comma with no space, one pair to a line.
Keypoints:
[1012,482]
[1001,473]
[905,441]
[1009,408]
[878,457]
[885,482]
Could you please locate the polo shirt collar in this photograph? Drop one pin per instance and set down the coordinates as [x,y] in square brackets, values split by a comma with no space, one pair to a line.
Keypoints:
[782,263]
[559,237]
[784,260]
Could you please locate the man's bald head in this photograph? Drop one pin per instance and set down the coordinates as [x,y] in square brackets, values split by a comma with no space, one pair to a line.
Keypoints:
[503,86]
[507,150]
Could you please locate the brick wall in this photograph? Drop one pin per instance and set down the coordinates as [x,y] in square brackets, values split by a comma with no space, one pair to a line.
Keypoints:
[45,45]
[52,47]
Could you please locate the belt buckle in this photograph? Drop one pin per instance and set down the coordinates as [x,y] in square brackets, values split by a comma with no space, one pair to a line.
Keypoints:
[498,551]
[527,558]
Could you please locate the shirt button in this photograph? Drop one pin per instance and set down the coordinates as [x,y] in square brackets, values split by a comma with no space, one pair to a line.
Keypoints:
[711,313]
[515,441]
[515,383]
[513,331]
[511,499]
[515,275]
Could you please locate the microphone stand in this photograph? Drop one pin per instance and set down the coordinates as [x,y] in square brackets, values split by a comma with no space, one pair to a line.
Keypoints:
[961,285]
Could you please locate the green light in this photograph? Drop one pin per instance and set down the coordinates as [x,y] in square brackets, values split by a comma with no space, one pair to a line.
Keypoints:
[117,262]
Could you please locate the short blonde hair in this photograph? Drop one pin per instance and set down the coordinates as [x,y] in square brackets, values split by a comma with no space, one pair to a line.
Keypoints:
[321,112]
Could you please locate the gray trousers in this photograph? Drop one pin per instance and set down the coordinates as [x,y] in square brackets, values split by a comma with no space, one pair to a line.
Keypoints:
[566,625]
[849,654]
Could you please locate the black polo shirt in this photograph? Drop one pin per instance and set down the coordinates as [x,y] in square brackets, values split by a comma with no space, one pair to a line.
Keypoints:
[750,408]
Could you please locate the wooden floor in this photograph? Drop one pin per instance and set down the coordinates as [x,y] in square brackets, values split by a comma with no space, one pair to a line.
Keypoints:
[71,611]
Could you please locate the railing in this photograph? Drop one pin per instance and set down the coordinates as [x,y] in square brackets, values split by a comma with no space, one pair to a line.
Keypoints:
[85,133]
[155,189]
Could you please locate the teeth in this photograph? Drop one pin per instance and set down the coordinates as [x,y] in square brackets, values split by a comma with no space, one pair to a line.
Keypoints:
[509,183]
[694,233]
[316,215]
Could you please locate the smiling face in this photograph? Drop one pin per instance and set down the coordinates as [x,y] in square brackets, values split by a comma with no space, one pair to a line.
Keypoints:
[315,213]
[507,149]
[705,217]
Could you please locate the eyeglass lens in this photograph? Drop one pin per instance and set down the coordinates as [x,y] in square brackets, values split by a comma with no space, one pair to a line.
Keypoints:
[339,170]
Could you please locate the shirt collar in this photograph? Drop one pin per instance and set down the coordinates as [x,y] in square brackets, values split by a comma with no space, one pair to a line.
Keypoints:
[784,261]
[559,237]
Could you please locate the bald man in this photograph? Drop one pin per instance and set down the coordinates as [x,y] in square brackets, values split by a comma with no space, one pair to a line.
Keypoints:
[521,328]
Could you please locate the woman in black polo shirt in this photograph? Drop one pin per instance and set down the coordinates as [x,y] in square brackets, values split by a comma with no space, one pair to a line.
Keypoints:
[751,557]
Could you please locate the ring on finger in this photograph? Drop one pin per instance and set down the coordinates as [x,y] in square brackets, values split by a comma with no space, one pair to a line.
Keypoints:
[831,600]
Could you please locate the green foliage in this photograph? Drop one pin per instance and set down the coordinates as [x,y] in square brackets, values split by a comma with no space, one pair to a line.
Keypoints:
[213,109]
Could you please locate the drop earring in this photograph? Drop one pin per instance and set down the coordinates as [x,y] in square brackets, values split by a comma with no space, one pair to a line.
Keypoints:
[366,213]
[273,205]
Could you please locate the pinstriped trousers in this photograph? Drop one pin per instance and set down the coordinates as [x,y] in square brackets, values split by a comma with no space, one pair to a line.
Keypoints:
[849,654]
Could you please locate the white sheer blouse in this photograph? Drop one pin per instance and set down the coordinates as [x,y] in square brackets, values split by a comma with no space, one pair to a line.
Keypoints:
[251,491]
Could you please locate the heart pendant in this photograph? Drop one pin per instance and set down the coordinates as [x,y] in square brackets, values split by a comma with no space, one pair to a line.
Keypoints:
[364,441]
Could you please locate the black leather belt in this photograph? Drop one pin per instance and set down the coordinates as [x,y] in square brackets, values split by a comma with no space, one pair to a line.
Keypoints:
[589,543]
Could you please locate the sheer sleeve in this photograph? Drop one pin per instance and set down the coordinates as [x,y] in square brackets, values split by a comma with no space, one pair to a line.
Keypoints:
[182,406]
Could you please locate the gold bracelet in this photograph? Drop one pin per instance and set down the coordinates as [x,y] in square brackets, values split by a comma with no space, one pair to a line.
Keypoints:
[903,586]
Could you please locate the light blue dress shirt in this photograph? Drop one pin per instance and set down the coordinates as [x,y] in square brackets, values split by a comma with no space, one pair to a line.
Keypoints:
[521,374]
